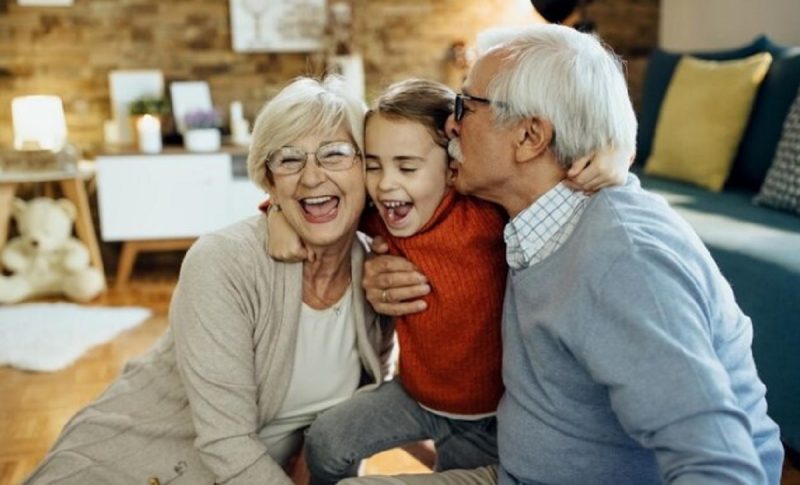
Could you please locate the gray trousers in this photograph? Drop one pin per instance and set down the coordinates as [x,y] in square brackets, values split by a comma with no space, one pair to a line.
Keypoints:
[478,476]
[375,421]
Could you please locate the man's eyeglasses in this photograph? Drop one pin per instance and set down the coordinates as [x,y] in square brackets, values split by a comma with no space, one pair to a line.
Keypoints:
[459,107]
[335,157]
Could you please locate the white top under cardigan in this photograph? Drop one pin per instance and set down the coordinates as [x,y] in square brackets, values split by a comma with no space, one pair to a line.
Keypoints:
[189,410]
[326,372]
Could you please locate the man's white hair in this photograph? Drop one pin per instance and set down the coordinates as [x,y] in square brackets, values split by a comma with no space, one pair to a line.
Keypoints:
[567,78]
[305,107]
[495,36]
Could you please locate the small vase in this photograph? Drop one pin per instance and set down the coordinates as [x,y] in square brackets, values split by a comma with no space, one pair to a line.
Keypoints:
[202,140]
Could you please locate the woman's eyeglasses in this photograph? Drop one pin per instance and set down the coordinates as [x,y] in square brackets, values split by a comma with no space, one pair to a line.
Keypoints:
[335,157]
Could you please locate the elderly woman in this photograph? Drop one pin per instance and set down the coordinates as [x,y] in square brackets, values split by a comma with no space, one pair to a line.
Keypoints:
[255,349]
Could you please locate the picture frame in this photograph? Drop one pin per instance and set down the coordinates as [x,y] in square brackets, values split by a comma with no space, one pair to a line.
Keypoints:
[278,25]
[351,68]
[188,96]
[45,3]
[126,86]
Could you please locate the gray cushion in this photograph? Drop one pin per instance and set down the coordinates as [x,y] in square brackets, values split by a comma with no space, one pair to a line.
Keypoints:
[772,104]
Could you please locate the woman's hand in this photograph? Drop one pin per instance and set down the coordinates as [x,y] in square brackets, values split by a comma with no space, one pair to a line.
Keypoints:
[284,244]
[603,169]
[393,284]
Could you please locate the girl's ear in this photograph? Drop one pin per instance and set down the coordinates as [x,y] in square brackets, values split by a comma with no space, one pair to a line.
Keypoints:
[533,137]
[450,177]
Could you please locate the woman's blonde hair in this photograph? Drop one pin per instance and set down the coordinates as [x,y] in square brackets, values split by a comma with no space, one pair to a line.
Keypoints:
[305,107]
[427,102]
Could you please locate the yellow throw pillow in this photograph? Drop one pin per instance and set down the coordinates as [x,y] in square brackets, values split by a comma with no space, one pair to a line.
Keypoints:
[703,117]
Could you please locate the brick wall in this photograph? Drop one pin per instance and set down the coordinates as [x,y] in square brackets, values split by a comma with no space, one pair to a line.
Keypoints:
[70,51]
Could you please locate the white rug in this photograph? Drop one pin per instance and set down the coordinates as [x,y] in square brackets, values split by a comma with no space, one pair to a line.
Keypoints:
[51,336]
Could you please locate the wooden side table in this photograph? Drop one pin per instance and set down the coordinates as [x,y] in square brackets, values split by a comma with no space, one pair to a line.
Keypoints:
[72,184]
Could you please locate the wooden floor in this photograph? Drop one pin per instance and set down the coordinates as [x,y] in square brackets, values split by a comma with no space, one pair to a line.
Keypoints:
[35,406]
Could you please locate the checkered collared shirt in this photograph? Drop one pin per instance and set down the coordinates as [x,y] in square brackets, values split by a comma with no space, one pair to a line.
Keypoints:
[536,232]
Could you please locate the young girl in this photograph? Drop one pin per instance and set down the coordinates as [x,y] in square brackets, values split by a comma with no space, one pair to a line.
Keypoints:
[450,354]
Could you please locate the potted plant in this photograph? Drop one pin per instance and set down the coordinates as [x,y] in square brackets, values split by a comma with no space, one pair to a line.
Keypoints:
[202,130]
[148,105]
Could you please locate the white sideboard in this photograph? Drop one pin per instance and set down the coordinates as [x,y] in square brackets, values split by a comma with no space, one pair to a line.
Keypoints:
[164,201]
[170,196]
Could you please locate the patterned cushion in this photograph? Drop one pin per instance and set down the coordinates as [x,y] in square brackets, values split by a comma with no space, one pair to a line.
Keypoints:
[781,188]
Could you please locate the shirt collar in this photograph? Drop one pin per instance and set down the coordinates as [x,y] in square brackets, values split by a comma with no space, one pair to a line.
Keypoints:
[531,229]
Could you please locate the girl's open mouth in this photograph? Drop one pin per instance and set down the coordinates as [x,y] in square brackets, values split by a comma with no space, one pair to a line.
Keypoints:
[395,212]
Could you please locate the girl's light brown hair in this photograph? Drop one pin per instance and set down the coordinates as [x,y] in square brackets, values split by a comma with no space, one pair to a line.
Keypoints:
[427,102]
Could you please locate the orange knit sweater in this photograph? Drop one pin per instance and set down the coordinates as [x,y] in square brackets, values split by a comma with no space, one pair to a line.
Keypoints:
[450,354]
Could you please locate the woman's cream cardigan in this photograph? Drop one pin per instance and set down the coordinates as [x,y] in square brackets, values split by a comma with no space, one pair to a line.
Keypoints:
[192,406]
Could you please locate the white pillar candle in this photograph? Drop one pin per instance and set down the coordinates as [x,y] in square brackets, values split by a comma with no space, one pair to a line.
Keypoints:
[148,128]
[240,132]
[237,112]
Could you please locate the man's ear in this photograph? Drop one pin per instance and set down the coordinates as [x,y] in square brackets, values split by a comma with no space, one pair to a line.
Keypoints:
[533,138]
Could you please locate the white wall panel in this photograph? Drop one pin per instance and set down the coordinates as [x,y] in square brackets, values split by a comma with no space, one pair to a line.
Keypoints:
[687,25]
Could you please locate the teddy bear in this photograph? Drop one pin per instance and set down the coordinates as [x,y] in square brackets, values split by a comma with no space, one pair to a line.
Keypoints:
[45,259]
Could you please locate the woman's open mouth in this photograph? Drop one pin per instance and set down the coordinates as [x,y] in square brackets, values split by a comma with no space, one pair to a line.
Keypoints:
[396,212]
[320,209]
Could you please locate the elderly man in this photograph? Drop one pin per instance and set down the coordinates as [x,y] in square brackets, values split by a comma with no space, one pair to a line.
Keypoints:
[626,357]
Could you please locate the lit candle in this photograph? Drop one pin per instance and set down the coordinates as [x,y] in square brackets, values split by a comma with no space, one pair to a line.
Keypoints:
[149,129]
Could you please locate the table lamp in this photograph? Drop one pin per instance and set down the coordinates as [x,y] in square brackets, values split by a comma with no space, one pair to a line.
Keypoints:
[39,123]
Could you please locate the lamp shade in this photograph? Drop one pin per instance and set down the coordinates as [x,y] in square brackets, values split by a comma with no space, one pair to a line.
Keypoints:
[39,123]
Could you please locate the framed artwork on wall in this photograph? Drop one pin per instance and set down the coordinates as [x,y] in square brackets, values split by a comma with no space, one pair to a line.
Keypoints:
[351,68]
[277,25]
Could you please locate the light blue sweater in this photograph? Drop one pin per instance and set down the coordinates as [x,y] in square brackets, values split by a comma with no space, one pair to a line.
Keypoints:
[627,360]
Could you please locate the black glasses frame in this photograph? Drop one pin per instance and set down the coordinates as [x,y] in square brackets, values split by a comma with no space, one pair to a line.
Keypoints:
[459,104]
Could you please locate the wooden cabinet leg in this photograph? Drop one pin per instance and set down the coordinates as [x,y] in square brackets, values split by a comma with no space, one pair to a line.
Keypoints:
[126,261]
[131,249]
[6,204]
[76,192]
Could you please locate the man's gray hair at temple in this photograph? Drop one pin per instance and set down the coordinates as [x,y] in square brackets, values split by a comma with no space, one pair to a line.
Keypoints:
[567,78]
